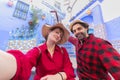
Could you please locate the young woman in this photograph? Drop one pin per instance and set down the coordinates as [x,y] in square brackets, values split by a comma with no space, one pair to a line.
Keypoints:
[51,61]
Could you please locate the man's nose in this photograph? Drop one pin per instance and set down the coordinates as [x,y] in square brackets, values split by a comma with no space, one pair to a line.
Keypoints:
[76,31]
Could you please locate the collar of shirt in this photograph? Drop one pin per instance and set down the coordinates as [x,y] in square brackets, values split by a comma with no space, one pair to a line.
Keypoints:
[85,40]
[44,47]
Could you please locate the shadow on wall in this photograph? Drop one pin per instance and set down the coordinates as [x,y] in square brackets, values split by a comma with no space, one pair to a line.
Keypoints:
[4,37]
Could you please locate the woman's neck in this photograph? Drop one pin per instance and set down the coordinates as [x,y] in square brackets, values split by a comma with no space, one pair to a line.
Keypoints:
[50,47]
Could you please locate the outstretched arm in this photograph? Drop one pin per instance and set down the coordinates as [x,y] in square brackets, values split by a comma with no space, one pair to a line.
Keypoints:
[73,40]
[8,65]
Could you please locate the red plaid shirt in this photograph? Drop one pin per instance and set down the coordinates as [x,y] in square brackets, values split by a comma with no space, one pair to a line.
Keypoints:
[95,58]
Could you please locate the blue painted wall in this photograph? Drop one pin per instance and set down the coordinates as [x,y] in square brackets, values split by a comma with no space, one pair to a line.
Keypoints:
[8,22]
[113,29]
[94,18]
[49,20]
[97,15]
[4,37]
[87,18]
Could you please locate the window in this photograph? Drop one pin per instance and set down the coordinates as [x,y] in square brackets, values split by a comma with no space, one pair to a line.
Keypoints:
[21,10]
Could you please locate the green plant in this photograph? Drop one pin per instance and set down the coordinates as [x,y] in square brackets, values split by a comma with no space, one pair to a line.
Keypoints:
[34,17]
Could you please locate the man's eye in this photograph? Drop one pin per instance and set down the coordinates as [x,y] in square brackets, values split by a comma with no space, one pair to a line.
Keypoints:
[74,31]
[79,29]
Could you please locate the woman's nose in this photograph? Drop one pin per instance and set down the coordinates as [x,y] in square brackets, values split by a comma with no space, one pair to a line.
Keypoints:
[59,35]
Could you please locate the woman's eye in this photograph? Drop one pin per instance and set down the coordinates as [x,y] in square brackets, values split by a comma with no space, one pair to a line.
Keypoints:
[56,32]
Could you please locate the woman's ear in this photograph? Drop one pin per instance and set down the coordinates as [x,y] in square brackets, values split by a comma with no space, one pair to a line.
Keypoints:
[48,32]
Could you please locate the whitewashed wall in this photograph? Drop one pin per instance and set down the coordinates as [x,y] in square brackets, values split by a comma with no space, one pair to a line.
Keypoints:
[110,9]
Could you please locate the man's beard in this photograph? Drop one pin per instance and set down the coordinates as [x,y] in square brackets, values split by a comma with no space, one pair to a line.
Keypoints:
[81,36]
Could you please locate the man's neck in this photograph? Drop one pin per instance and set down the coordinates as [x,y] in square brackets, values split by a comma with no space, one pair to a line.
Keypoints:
[81,42]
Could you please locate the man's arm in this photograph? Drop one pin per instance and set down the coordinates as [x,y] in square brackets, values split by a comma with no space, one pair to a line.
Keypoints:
[73,40]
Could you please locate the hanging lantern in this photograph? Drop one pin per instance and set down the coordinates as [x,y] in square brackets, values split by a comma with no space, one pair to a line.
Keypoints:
[10,3]
[88,12]
[31,1]
[43,16]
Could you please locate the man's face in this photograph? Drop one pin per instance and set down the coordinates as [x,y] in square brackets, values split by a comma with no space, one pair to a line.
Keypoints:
[79,31]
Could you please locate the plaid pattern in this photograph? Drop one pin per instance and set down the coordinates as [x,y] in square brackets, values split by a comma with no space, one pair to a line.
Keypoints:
[95,58]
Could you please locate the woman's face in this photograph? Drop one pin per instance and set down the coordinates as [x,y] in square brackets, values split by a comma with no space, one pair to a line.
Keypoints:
[55,35]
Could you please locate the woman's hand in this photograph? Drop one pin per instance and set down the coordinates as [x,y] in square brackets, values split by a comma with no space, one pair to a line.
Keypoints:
[51,77]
